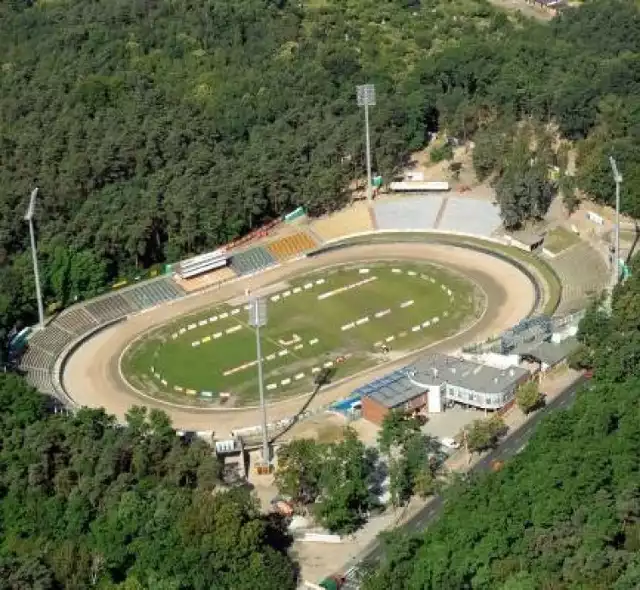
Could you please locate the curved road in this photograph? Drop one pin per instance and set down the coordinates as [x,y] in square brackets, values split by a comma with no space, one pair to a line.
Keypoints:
[92,378]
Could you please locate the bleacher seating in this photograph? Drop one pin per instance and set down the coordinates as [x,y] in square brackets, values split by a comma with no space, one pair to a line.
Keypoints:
[353,220]
[290,246]
[419,212]
[36,358]
[76,320]
[110,308]
[41,380]
[471,216]
[52,339]
[152,293]
[251,261]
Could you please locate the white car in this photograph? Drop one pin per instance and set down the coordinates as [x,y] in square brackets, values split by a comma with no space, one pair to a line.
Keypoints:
[449,443]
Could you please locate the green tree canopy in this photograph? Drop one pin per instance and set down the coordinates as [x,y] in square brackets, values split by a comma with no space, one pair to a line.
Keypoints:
[85,503]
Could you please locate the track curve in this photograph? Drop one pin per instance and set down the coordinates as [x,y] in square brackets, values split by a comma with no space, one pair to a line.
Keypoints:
[91,373]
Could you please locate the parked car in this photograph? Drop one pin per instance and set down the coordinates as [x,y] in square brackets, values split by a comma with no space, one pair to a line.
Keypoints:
[450,443]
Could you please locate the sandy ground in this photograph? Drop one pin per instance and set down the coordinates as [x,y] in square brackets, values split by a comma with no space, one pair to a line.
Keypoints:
[92,377]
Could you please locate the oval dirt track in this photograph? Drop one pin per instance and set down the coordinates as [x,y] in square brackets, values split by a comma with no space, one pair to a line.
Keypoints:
[92,377]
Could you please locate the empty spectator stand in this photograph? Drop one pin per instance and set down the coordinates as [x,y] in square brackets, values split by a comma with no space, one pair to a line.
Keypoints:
[192,267]
[413,213]
[251,261]
[51,339]
[109,308]
[471,216]
[291,246]
[41,380]
[133,299]
[152,293]
[76,320]
[35,357]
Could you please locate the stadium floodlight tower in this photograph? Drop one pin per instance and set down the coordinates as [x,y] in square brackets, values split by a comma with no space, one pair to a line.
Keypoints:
[366,95]
[617,178]
[258,319]
[28,217]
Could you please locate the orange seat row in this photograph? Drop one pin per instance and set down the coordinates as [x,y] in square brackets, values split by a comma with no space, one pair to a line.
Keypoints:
[289,246]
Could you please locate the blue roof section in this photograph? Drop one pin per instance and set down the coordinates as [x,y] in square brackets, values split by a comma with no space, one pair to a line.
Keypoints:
[382,383]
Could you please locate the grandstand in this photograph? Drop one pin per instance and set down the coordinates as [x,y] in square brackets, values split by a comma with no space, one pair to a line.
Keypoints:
[36,358]
[44,346]
[41,380]
[291,246]
[192,267]
[52,339]
[152,293]
[143,296]
[251,261]
[353,220]
[76,320]
[109,308]
[470,216]
[413,213]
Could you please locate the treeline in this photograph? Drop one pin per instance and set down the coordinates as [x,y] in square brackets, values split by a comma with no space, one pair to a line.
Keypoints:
[86,503]
[563,514]
[158,129]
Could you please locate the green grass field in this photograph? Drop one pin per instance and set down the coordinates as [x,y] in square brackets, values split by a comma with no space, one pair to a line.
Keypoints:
[559,239]
[542,268]
[306,330]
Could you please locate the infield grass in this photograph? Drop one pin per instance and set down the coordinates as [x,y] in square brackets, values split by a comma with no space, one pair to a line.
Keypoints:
[306,330]
[552,284]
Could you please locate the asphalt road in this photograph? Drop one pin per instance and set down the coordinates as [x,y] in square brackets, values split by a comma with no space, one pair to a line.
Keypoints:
[510,446]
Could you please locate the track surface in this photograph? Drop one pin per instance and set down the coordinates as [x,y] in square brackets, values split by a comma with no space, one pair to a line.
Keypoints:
[92,377]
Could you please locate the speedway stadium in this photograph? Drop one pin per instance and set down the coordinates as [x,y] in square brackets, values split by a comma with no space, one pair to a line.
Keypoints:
[150,343]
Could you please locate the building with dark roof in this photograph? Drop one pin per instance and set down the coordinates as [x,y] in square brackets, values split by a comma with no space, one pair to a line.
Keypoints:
[525,240]
[435,380]
[549,354]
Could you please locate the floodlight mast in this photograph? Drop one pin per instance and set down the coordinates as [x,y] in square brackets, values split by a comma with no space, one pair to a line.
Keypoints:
[34,254]
[366,96]
[617,178]
[258,318]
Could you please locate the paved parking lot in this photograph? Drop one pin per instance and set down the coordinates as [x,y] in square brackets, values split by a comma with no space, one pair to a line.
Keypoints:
[450,422]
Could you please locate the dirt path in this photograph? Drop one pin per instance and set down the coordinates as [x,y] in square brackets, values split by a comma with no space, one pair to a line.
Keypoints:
[92,376]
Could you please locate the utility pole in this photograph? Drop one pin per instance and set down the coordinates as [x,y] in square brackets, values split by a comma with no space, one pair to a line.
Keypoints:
[34,255]
[366,96]
[258,319]
[617,177]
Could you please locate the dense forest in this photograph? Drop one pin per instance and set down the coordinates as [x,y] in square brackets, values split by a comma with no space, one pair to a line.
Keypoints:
[565,513]
[157,129]
[86,503]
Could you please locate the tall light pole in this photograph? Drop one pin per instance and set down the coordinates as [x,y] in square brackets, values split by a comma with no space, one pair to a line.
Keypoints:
[366,95]
[257,319]
[617,177]
[34,254]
